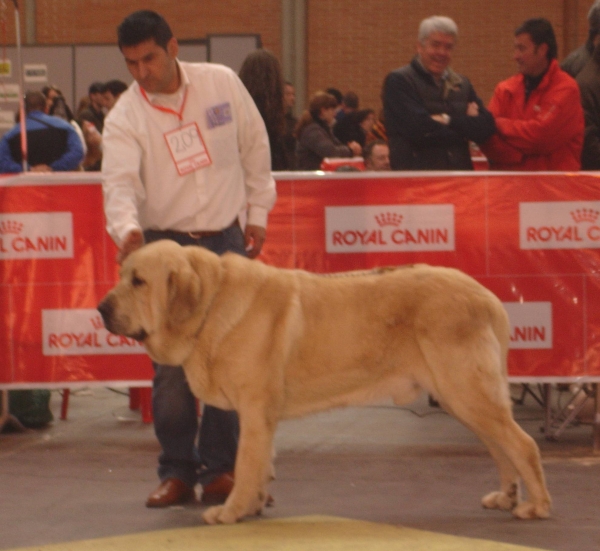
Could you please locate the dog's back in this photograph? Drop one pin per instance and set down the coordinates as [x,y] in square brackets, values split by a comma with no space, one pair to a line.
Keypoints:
[368,334]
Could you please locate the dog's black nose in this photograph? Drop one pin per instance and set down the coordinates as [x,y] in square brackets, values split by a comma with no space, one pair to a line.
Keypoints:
[105,308]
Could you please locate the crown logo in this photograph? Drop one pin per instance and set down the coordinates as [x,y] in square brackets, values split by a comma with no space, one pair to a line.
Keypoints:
[585,215]
[10,226]
[388,219]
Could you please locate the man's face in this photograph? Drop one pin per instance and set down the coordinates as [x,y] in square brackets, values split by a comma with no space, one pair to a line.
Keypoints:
[380,158]
[153,68]
[530,57]
[109,100]
[97,101]
[289,96]
[435,52]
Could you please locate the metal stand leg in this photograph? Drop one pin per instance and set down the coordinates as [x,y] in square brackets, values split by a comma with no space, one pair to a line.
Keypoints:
[573,410]
[6,419]
[146,405]
[134,398]
[547,388]
[555,424]
[596,440]
[527,390]
[64,407]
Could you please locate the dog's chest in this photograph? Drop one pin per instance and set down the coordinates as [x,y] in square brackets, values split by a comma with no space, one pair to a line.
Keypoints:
[204,387]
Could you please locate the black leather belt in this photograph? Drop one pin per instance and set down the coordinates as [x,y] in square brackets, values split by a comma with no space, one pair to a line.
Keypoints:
[202,233]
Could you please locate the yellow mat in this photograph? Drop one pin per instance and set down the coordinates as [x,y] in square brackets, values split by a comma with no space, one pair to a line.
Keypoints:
[310,533]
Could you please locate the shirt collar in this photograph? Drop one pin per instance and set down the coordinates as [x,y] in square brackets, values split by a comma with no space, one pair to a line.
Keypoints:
[175,99]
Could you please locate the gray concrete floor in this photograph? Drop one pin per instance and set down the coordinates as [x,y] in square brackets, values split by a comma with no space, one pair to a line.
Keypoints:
[89,476]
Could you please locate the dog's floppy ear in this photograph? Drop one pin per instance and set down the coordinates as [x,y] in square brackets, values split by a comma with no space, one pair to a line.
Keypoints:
[183,294]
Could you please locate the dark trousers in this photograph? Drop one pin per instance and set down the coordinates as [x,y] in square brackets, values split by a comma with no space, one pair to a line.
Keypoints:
[192,455]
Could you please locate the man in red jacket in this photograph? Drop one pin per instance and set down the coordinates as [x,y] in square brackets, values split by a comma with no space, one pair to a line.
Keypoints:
[539,119]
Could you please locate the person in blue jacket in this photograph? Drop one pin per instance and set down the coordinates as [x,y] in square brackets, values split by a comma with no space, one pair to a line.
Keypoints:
[52,143]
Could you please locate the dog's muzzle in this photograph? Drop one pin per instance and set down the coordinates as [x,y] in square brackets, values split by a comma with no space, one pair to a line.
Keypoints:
[107,311]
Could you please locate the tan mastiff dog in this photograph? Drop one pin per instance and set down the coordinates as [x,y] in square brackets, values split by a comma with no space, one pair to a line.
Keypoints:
[274,344]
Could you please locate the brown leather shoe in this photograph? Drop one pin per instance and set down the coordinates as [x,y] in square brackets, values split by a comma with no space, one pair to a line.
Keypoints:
[216,492]
[171,491]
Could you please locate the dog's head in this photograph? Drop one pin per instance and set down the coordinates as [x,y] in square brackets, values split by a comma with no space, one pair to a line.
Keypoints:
[162,296]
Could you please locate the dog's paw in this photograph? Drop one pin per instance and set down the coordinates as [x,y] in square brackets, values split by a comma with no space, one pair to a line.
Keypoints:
[499,500]
[211,515]
[528,510]
[219,514]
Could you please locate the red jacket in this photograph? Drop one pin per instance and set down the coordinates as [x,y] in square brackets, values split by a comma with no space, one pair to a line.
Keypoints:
[546,133]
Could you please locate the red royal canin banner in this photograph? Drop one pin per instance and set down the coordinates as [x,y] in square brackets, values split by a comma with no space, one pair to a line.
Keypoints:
[532,238]
[56,263]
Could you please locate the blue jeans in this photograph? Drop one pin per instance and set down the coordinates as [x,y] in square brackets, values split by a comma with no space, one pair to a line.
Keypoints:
[192,455]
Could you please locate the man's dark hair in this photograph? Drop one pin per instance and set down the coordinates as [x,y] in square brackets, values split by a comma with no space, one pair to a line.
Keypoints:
[141,26]
[336,94]
[116,87]
[541,32]
[96,88]
[34,101]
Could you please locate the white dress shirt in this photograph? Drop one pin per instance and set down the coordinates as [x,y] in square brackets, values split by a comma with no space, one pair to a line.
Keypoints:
[142,186]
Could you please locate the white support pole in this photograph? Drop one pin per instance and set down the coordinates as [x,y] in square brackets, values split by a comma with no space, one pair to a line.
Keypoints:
[21,89]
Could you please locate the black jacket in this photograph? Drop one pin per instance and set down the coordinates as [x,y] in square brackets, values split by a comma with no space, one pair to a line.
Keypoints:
[589,86]
[315,143]
[417,142]
[576,60]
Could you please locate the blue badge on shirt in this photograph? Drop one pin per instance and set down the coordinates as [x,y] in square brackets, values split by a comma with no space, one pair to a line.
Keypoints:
[218,115]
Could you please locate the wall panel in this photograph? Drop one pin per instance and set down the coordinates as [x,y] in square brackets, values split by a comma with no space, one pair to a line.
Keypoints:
[351,44]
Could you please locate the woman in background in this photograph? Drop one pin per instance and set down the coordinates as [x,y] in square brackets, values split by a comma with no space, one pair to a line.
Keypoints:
[262,77]
[315,138]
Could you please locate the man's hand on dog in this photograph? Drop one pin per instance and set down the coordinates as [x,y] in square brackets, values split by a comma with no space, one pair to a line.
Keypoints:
[254,237]
[132,242]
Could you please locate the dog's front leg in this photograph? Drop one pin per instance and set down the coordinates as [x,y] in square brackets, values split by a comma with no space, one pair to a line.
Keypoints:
[252,467]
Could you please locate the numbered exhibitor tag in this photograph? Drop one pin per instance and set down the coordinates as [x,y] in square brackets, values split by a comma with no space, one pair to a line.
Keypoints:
[187,149]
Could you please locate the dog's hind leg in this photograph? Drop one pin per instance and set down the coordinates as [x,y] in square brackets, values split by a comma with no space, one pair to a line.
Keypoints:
[472,387]
[253,466]
[509,495]
[516,453]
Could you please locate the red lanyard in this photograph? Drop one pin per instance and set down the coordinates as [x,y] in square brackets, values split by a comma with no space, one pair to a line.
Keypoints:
[167,109]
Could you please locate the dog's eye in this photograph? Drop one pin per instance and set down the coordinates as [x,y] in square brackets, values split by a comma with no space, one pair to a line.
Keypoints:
[137,281]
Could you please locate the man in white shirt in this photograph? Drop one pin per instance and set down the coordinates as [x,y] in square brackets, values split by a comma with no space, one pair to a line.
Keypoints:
[185,153]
